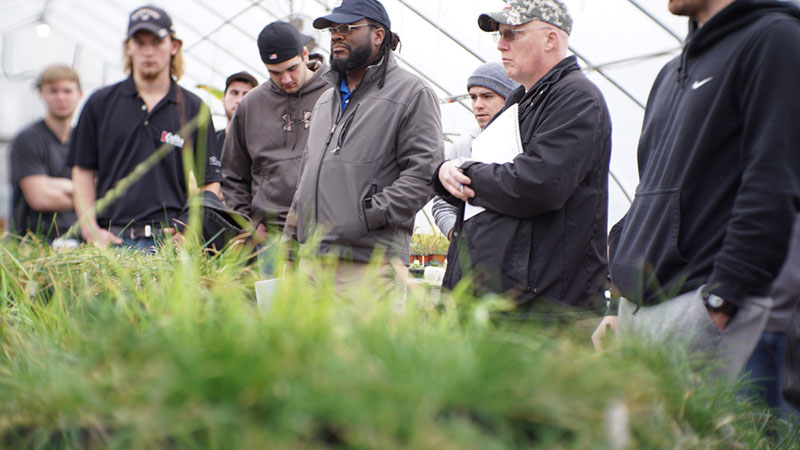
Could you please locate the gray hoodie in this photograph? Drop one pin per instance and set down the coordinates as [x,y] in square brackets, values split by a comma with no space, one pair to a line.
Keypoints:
[366,170]
[264,147]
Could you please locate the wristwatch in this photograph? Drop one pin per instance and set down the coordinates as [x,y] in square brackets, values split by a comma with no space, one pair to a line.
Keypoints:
[715,303]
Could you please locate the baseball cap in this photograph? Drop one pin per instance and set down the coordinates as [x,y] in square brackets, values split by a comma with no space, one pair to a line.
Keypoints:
[349,11]
[519,12]
[152,19]
[241,76]
[279,42]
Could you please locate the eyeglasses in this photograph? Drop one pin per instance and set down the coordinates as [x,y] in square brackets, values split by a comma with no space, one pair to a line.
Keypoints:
[345,29]
[509,34]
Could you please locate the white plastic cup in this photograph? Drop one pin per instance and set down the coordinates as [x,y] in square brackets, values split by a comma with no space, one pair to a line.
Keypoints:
[434,275]
[265,291]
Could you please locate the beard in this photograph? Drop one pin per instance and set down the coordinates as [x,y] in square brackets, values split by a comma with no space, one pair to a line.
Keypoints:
[357,58]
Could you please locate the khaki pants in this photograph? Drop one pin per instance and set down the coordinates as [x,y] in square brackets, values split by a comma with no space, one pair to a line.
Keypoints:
[390,278]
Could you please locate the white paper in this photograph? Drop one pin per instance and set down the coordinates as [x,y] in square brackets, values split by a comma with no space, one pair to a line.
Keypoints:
[498,144]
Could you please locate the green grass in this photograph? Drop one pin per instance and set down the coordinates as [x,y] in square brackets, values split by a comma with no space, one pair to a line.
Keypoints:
[105,348]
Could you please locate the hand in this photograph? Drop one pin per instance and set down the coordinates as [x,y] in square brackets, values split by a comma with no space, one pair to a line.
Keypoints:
[260,235]
[100,236]
[176,235]
[720,319]
[216,189]
[454,180]
[609,323]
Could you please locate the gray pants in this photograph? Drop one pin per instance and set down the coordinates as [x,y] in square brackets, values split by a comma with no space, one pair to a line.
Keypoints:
[684,320]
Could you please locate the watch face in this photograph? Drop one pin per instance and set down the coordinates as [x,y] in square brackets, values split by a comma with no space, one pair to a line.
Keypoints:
[715,301]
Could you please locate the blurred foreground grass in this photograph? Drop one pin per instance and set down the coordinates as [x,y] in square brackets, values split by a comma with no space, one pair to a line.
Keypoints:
[106,348]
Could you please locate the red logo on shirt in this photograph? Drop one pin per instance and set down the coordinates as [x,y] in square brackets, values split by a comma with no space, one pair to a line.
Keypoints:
[172,139]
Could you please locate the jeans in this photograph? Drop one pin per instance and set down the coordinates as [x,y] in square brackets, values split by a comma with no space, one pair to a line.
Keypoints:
[146,245]
[764,370]
[267,257]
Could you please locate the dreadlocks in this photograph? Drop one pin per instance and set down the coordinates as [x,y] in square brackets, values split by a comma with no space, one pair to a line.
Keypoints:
[390,43]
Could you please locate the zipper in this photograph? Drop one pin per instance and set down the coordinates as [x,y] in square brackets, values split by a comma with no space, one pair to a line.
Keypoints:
[345,129]
[339,114]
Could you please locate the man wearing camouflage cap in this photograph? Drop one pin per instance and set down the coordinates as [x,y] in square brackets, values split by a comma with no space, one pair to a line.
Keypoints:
[542,236]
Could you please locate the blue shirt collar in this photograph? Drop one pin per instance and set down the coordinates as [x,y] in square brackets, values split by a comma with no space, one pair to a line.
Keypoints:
[344,90]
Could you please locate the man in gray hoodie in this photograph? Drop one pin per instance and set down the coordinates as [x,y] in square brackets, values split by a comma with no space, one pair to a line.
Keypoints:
[264,145]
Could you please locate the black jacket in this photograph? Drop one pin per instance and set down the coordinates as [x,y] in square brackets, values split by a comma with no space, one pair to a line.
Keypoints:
[718,161]
[543,234]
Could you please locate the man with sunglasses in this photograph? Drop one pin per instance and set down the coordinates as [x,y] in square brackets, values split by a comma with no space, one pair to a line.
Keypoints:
[375,139]
[542,236]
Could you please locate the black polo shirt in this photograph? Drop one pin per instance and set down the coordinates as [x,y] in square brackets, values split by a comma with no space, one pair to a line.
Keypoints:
[221,137]
[115,133]
[37,151]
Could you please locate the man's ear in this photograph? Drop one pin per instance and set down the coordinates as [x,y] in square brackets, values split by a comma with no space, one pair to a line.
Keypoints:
[380,33]
[552,40]
[176,44]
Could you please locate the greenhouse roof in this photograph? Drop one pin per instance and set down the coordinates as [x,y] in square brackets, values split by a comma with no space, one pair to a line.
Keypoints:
[621,44]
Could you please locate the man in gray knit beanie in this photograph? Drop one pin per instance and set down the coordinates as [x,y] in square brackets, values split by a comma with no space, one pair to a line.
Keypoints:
[488,88]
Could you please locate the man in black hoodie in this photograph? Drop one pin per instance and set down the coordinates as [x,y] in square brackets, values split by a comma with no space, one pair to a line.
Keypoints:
[710,224]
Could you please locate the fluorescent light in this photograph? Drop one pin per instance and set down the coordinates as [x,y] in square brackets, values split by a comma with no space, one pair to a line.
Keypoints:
[43,29]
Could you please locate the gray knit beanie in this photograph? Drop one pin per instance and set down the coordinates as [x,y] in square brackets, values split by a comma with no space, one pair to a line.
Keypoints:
[492,76]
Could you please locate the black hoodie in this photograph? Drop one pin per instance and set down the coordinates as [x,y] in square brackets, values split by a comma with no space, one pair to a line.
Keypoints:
[719,161]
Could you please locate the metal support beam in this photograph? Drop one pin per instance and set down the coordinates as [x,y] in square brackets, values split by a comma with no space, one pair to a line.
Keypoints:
[443,31]
[656,20]
[608,78]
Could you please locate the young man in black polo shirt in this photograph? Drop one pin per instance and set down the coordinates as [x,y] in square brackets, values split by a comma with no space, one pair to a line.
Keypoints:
[41,179]
[123,124]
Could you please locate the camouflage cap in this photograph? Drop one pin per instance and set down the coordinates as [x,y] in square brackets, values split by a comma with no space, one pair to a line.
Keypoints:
[519,12]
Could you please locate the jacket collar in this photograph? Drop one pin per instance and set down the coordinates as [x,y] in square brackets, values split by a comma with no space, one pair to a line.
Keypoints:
[565,66]
[731,19]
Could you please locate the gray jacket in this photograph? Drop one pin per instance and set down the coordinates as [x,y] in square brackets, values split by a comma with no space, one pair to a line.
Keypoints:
[366,170]
[445,214]
[264,147]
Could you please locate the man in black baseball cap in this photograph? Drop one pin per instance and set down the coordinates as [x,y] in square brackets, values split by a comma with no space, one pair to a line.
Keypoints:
[374,142]
[353,11]
[264,145]
[236,86]
[123,124]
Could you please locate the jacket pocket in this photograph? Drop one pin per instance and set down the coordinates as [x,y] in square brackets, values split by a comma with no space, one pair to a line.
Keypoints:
[342,188]
[277,181]
[647,258]
[374,216]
